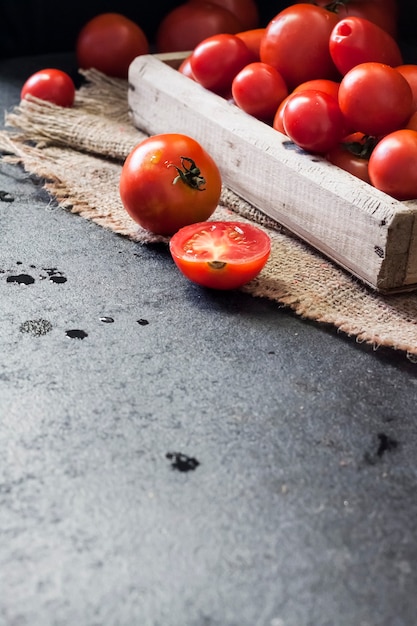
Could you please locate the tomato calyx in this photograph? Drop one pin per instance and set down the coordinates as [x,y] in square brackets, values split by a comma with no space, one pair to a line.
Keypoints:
[189,174]
[336,5]
[361,148]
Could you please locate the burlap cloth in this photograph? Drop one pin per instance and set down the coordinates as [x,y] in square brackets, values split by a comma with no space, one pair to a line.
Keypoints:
[79,152]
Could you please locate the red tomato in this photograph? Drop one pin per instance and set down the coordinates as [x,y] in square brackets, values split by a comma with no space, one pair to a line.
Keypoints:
[412,122]
[246,11]
[52,85]
[252,38]
[356,40]
[216,61]
[188,24]
[409,72]
[109,42]
[169,181]
[392,166]
[259,89]
[185,68]
[320,84]
[220,255]
[278,121]
[375,99]
[352,155]
[296,43]
[384,13]
[330,87]
[313,120]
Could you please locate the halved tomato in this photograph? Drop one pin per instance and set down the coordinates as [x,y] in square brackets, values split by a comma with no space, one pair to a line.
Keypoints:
[220,255]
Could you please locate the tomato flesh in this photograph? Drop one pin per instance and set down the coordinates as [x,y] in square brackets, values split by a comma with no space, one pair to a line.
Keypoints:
[220,255]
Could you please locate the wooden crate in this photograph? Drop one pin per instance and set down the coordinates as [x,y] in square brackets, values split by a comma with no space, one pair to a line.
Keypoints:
[370,234]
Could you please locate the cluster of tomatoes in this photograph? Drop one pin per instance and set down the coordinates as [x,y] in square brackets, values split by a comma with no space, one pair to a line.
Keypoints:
[169,184]
[336,86]
[109,42]
[329,76]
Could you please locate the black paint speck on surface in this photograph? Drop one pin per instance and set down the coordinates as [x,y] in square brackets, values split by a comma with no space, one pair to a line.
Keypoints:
[55,276]
[76,334]
[21,279]
[142,322]
[386,444]
[58,279]
[6,196]
[182,462]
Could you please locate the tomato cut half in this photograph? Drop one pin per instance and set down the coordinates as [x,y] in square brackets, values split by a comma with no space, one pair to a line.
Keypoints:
[220,255]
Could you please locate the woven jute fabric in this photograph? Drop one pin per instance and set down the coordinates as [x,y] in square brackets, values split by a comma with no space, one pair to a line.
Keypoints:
[78,152]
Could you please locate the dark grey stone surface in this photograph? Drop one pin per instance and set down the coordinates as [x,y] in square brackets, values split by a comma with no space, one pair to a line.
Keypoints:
[299,504]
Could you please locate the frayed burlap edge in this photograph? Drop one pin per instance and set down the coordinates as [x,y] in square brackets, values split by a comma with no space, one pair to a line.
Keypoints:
[79,152]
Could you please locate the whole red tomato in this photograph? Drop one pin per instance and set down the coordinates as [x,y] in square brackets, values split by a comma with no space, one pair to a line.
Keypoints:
[278,121]
[355,40]
[384,13]
[296,43]
[252,38]
[412,122]
[51,85]
[258,89]
[188,24]
[109,42]
[392,165]
[313,120]
[375,99]
[352,155]
[185,67]
[169,181]
[215,61]
[246,11]
[409,71]
[320,84]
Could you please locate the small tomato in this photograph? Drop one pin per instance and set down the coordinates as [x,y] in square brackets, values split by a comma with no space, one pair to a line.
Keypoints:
[109,42]
[392,165]
[169,181]
[313,120]
[258,89]
[375,99]
[217,60]
[220,255]
[51,85]
[191,22]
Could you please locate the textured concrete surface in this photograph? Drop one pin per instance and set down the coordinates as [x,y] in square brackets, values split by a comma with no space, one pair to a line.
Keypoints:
[199,459]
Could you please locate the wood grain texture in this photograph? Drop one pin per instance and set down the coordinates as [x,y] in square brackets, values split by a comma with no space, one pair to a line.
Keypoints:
[363,230]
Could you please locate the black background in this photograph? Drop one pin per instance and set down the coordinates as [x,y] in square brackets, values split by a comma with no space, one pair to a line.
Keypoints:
[41,26]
